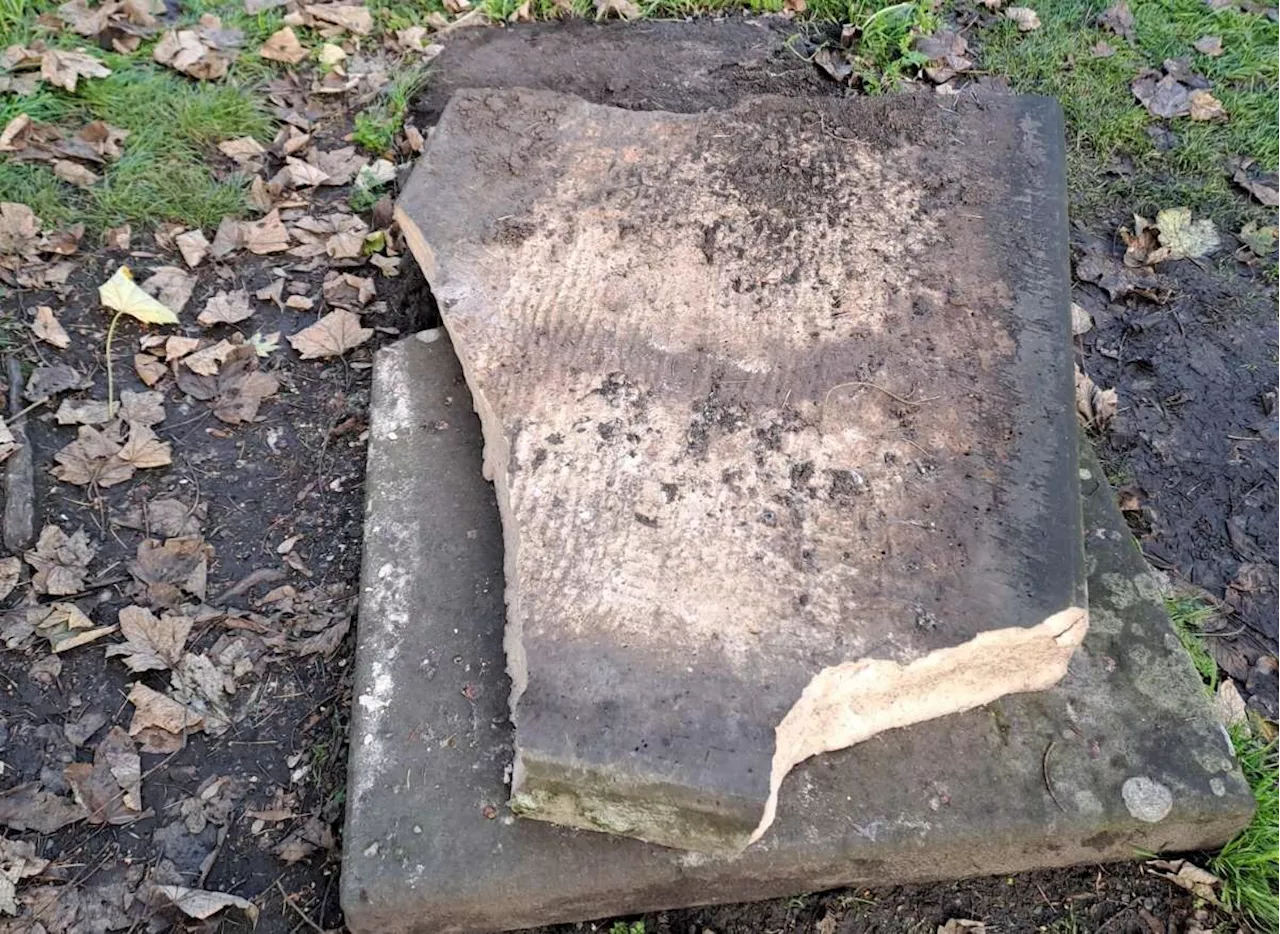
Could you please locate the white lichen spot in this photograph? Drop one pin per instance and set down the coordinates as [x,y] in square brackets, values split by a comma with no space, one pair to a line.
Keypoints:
[1147,799]
[371,850]
[1217,786]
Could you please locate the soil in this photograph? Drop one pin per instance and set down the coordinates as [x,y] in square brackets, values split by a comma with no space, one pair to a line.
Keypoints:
[1193,377]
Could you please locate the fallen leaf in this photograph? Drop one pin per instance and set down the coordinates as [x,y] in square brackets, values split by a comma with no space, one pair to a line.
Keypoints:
[1024,17]
[153,710]
[244,150]
[172,286]
[1205,107]
[1142,245]
[325,642]
[8,443]
[67,627]
[10,571]
[204,53]
[143,449]
[265,236]
[299,174]
[110,790]
[226,308]
[206,361]
[176,347]
[79,731]
[1264,188]
[283,46]
[346,290]
[141,408]
[30,807]
[1096,407]
[93,459]
[82,412]
[242,387]
[163,518]
[172,568]
[1260,240]
[47,328]
[623,9]
[353,18]
[1081,320]
[265,344]
[48,380]
[1187,875]
[1162,95]
[331,55]
[60,561]
[340,166]
[1102,49]
[1229,705]
[63,68]
[1208,45]
[74,173]
[18,861]
[199,904]
[312,835]
[121,293]
[1118,19]
[153,643]
[117,238]
[331,336]
[962,926]
[1184,238]
[149,369]
[193,246]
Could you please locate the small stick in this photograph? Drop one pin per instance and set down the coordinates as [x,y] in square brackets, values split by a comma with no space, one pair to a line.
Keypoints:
[894,396]
[1044,767]
[298,911]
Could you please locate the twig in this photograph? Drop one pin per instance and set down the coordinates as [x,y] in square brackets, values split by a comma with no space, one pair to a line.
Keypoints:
[1044,767]
[894,396]
[298,911]
[252,579]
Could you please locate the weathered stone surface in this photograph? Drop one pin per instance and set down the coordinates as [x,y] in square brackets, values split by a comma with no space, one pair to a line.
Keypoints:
[777,406]
[1080,773]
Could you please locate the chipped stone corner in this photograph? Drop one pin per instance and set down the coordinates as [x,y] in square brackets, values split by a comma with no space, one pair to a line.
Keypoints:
[852,702]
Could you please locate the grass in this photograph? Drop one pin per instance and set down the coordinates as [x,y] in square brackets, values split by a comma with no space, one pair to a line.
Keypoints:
[164,173]
[376,127]
[1105,121]
[1188,616]
[1249,865]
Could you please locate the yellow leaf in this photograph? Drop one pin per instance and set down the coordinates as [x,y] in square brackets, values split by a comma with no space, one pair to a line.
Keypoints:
[121,293]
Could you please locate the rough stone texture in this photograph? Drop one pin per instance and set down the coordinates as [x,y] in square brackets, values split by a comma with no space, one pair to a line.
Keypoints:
[777,405]
[1123,755]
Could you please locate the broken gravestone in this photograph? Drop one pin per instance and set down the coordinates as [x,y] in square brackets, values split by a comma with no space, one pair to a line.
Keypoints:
[777,404]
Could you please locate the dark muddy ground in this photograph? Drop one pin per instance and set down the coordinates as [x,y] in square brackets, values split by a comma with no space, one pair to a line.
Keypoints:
[1194,443]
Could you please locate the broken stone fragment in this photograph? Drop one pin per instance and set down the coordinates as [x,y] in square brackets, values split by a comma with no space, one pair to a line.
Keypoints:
[777,405]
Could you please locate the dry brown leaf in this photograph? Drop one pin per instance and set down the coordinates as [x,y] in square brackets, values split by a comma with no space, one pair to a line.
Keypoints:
[47,328]
[110,790]
[82,412]
[331,336]
[144,449]
[283,46]
[117,238]
[30,807]
[340,166]
[1208,45]
[163,518]
[244,150]
[1096,407]
[66,626]
[226,308]
[154,711]
[153,643]
[346,290]
[325,642]
[172,568]
[1118,19]
[149,369]
[265,236]
[1206,107]
[198,904]
[242,387]
[299,174]
[73,173]
[353,18]
[1187,875]
[1163,95]
[63,69]
[623,9]
[10,571]
[141,408]
[176,347]
[60,561]
[171,286]
[1024,17]
[204,53]
[194,247]
[93,459]
[206,361]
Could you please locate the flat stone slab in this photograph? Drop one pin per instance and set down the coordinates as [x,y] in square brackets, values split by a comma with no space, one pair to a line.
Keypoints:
[1122,756]
[777,403]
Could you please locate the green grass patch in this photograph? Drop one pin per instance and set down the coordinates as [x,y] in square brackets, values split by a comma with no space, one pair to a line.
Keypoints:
[163,174]
[1250,864]
[376,126]
[1104,120]
[1188,615]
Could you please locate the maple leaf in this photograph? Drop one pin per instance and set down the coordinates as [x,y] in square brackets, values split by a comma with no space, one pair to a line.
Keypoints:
[331,336]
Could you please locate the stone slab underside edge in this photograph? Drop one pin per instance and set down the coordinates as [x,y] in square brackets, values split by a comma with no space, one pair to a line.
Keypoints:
[1122,756]
[676,650]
